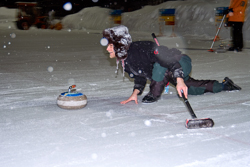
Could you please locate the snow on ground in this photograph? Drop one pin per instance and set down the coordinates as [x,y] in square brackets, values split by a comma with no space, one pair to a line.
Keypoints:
[37,65]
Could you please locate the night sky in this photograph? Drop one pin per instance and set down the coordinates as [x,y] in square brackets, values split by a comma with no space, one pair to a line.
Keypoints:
[77,5]
[48,5]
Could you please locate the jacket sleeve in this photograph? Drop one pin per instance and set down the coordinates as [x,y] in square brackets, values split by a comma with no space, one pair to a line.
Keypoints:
[168,58]
[237,7]
[140,83]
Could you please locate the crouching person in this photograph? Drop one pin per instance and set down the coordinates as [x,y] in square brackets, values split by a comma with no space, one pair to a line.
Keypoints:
[144,60]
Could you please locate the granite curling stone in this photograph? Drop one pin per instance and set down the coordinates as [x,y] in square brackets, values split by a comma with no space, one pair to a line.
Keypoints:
[72,100]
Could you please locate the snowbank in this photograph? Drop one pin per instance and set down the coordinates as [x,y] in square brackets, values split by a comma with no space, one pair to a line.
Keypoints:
[193,17]
[6,13]
[95,18]
[7,17]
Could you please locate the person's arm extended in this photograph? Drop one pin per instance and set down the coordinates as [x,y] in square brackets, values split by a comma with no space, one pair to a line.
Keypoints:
[133,97]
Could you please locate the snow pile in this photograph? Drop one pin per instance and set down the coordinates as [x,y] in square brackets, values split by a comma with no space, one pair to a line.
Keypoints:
[94,18]
[6,13]
[7,17]
[192,18]
[195,18]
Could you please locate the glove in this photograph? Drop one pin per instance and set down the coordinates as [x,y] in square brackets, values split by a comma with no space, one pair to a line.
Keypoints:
[227,23]
[227,11]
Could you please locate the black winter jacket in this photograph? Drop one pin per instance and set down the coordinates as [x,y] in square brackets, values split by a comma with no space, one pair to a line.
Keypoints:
[142,55]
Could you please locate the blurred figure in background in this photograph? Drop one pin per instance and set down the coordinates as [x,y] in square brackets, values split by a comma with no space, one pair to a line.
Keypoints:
[236,18]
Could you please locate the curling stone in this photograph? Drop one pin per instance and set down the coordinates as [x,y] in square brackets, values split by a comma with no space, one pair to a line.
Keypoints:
[72,99]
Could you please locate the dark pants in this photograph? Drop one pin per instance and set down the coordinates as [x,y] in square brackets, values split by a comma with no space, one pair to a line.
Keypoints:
[237,35]
[195,87]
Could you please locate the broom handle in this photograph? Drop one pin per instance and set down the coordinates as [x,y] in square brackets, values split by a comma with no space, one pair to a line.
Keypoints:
[191,111]
[156,41]
[218,31]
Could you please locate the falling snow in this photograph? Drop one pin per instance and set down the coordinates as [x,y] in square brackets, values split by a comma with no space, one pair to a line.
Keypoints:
[38,65]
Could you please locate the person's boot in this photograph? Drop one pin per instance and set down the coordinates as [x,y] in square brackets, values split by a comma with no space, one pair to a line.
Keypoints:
[238,49]
[231,49]
[149,98]
[230,85]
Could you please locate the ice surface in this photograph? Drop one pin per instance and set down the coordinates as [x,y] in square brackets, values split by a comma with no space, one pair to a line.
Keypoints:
[36,66]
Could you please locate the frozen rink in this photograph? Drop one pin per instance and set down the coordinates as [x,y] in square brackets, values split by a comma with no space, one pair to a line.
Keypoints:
[36,66]
[36,132]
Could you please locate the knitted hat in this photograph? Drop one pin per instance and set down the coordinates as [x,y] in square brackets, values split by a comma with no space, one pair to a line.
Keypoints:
[120,38]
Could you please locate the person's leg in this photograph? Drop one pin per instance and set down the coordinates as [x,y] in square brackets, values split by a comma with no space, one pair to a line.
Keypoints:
[234,33]
[198,87]
[241,45]
[186,64]
[158,72]
[161,76]
[156,88]
[238,35]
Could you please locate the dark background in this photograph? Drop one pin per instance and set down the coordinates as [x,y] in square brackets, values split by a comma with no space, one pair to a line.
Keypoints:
[77,5]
